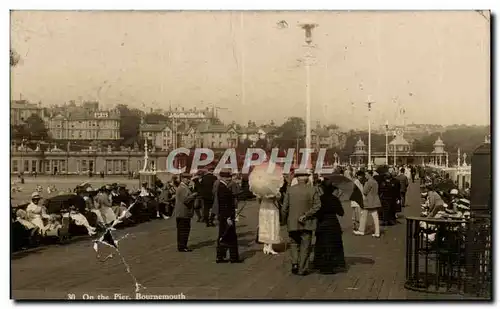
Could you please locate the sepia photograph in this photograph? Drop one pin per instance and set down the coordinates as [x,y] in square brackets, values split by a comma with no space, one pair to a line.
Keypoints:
[250,155]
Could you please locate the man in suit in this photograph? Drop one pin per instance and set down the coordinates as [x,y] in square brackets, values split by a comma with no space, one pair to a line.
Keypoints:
[207,185]
[300,205]
[183,211]
[403,186]
[371,205]
[226,212]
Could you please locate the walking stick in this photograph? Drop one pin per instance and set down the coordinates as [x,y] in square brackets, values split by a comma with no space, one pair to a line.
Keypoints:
[229,226]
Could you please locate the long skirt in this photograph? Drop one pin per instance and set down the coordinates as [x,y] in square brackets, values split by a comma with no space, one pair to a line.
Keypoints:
[269,223]
[329,252]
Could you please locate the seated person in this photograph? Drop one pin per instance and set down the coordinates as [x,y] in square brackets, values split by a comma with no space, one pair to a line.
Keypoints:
[36,212]
[22,217]
[80,220]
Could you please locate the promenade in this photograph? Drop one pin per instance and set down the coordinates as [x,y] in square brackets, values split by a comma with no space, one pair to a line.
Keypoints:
[376,266]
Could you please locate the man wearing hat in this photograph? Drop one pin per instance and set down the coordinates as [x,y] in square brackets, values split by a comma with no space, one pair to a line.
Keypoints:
[183,211]
[198,205]
[206,187]
[301,203]
[226,212]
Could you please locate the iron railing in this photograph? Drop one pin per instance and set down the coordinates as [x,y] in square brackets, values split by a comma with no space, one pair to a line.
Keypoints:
[449,256]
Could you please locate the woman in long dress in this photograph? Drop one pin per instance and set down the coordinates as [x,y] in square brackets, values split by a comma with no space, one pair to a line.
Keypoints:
[269,223]
[329,248]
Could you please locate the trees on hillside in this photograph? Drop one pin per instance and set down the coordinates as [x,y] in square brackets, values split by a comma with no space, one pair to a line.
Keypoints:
[32,129]
[290,132]
[130,120]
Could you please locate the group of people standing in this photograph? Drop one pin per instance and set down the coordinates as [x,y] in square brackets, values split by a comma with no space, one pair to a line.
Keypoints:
[384,196]
[209,197]
[308,207]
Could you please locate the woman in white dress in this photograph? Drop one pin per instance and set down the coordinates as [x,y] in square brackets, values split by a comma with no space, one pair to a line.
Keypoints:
[269,223]
[265,185]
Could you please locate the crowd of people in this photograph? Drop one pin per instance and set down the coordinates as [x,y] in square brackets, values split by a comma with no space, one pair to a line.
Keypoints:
[308,205]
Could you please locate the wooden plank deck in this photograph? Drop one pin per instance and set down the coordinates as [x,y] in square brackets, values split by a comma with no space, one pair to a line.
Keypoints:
[376,266]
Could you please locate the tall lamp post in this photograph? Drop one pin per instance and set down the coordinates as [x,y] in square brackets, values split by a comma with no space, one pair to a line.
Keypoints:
[387,142]
[308,27]
[369,104]
[395,159]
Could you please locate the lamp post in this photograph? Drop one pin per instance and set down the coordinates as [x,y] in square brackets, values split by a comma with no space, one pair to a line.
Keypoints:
[387,142]
[145,155]
[369,104]
[308,27]
[395,148]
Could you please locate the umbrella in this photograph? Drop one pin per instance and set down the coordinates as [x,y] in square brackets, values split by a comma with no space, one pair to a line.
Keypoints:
[264,182]
[347,187]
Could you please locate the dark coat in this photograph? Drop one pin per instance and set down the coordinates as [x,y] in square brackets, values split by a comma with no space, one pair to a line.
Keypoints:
[395,188]
[225,200]
[403,181]
[207,185]
[331,207]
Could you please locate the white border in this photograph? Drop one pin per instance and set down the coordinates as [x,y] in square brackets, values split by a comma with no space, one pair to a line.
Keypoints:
[193,5]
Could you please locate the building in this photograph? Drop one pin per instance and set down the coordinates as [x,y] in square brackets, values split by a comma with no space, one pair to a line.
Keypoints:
[327,137]
[190,116]
[159,135]
[215,136]
[399,153]
[85,122]
[20,110]
[252,134]
[439,155]
[54,160]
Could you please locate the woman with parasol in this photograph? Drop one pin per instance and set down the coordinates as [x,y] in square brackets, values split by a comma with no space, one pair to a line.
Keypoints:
[265,183]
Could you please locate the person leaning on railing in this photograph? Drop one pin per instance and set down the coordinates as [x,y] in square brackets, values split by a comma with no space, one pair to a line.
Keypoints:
[435,202]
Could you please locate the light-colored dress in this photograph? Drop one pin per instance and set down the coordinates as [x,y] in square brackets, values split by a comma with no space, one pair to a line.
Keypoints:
[36,214]
[269,222]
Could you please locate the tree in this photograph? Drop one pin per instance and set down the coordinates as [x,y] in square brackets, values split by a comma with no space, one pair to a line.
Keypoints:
[467,138]
[155,118]
[378,143]
[19,132]
[36,129]
[262,144]
[290,132]
[130,120]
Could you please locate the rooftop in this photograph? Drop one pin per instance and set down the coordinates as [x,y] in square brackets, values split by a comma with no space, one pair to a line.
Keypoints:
[153,127]
[399,141]
[438,142]
[360,143]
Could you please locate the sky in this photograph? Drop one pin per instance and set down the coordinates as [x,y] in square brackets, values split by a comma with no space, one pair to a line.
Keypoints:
[434,65]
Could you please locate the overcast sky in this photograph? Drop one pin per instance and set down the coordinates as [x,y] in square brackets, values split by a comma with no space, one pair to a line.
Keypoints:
[436,63]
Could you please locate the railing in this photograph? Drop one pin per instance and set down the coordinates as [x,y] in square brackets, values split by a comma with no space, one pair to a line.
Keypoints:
[449,256]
